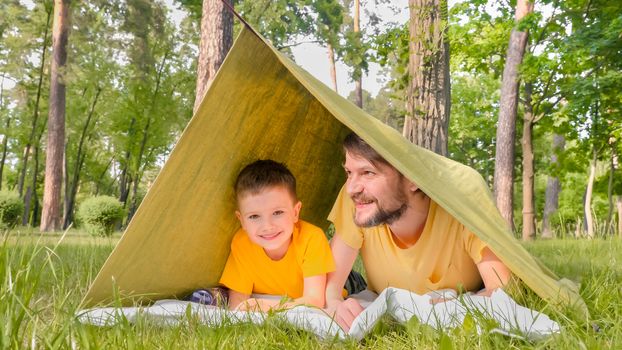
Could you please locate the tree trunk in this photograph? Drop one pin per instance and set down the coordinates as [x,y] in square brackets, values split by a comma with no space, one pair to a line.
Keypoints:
[216,40]
[5,141]
[331,65]
[619,206]
[428,105]
[70,197]
[529,220]
[358,74]
[612,170]
[553,187]
[51,216]
[24,166]
[27,202]
[506,129]
[587,204]
[5,138]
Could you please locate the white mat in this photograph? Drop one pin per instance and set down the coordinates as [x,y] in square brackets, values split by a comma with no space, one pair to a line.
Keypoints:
[511,318]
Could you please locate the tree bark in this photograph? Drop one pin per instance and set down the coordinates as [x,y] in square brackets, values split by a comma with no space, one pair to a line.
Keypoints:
[619,206]
[358,74]
[51,216]
[216,40]
[35,117]
[70,197]
[429,100]
[553,187]
[587,204]
[331,65]
[506,129]
[610,229]
[5,136]
[529,220]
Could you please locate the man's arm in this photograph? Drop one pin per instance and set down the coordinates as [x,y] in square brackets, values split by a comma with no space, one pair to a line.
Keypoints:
[344,311]
[494,273]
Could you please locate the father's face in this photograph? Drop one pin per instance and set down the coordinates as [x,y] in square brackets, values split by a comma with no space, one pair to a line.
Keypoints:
[378,191]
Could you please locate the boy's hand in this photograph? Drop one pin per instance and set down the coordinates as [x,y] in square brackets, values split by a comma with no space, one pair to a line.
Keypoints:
[344,312]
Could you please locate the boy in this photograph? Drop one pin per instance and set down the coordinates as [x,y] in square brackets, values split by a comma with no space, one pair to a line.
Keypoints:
[274,252]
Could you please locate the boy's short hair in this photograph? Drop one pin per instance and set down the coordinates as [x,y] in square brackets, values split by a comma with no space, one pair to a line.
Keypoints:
[355,145]
[261,174]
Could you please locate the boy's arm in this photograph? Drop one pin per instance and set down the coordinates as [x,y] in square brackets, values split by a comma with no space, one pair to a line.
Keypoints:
[314,293]
[236,298]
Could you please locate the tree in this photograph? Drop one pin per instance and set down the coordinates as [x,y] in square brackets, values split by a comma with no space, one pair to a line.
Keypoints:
[506,128]
[553,187]
[428,104]
[216,40]
[51,216]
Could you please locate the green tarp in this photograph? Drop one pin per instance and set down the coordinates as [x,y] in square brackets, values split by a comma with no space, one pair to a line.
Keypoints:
[262,105]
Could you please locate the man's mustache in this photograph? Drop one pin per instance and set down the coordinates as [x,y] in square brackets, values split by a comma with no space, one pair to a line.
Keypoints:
[360,197]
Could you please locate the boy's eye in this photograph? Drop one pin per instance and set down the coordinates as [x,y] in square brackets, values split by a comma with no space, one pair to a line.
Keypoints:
[253,217]
[278,212]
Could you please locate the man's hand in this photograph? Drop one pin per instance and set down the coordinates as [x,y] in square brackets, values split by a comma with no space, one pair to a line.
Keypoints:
[344,312]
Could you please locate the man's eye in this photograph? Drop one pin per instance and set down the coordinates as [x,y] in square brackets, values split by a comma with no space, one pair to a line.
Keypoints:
[369,173]
[253,217]
[348,173]
[278,212]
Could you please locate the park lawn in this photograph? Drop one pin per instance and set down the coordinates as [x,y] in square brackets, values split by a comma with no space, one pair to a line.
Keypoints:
[43,283]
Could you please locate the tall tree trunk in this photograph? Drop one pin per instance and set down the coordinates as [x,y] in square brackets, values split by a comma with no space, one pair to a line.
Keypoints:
[35,117]
[51,216]
[587,204]
[5,136]
[70,197]
[216,40]
[619,206]
[358,74]
[553,187]
[612,169]
[429,100]
[331,65]
[5,141]
[529,220]
[506,129]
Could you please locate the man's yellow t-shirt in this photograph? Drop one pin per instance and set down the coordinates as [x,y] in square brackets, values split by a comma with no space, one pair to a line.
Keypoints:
[249,270]
[444,256]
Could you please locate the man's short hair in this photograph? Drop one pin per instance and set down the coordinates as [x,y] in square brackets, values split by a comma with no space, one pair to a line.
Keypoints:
[262,174]
[356,146]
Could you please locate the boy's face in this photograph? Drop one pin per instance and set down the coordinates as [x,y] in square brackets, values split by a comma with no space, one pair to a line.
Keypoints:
[269,217]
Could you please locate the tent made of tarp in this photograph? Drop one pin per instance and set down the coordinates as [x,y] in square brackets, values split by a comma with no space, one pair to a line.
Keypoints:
[262,105]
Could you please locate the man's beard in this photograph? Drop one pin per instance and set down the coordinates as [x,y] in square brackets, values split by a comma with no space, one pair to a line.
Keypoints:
[381,216]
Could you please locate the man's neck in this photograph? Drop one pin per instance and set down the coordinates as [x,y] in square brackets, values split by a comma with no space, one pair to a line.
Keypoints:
[409,227]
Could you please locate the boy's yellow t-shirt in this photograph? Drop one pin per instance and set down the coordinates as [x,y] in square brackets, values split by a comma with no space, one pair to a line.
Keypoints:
[445,255]
[249,270]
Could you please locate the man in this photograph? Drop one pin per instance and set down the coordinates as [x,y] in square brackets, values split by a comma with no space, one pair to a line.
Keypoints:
[406,240]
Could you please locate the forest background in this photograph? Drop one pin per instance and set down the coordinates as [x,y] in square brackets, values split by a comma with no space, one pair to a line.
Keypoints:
[129,82]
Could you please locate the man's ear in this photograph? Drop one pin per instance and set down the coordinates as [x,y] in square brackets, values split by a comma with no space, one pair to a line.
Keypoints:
[412,187]
[297,207]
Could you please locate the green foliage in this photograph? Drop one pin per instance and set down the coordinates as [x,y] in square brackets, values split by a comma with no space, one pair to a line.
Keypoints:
[100,214]
[11,209]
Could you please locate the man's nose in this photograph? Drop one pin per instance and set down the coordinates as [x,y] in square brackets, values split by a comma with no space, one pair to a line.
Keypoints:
[353,185]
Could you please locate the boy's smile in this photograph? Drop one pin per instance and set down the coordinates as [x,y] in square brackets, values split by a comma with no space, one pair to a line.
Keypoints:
[268,217]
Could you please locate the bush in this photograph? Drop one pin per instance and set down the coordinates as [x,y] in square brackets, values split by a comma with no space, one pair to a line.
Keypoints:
[100,214]
[11,209]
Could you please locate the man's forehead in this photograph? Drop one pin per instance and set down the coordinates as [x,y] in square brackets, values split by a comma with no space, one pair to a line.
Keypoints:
[364,162]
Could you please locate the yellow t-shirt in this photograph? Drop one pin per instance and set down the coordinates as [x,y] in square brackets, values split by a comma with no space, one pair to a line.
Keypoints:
[249,270]
[444,256]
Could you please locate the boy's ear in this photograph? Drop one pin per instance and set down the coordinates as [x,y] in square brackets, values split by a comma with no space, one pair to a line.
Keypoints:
[238,215]
[297,207]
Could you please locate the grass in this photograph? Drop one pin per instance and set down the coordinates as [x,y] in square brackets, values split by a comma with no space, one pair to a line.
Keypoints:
[42,283]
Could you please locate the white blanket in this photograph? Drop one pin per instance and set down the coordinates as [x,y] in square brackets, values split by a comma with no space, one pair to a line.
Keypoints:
[511,318]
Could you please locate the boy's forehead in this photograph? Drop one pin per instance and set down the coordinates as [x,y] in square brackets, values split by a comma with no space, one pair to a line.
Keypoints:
[264,191]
